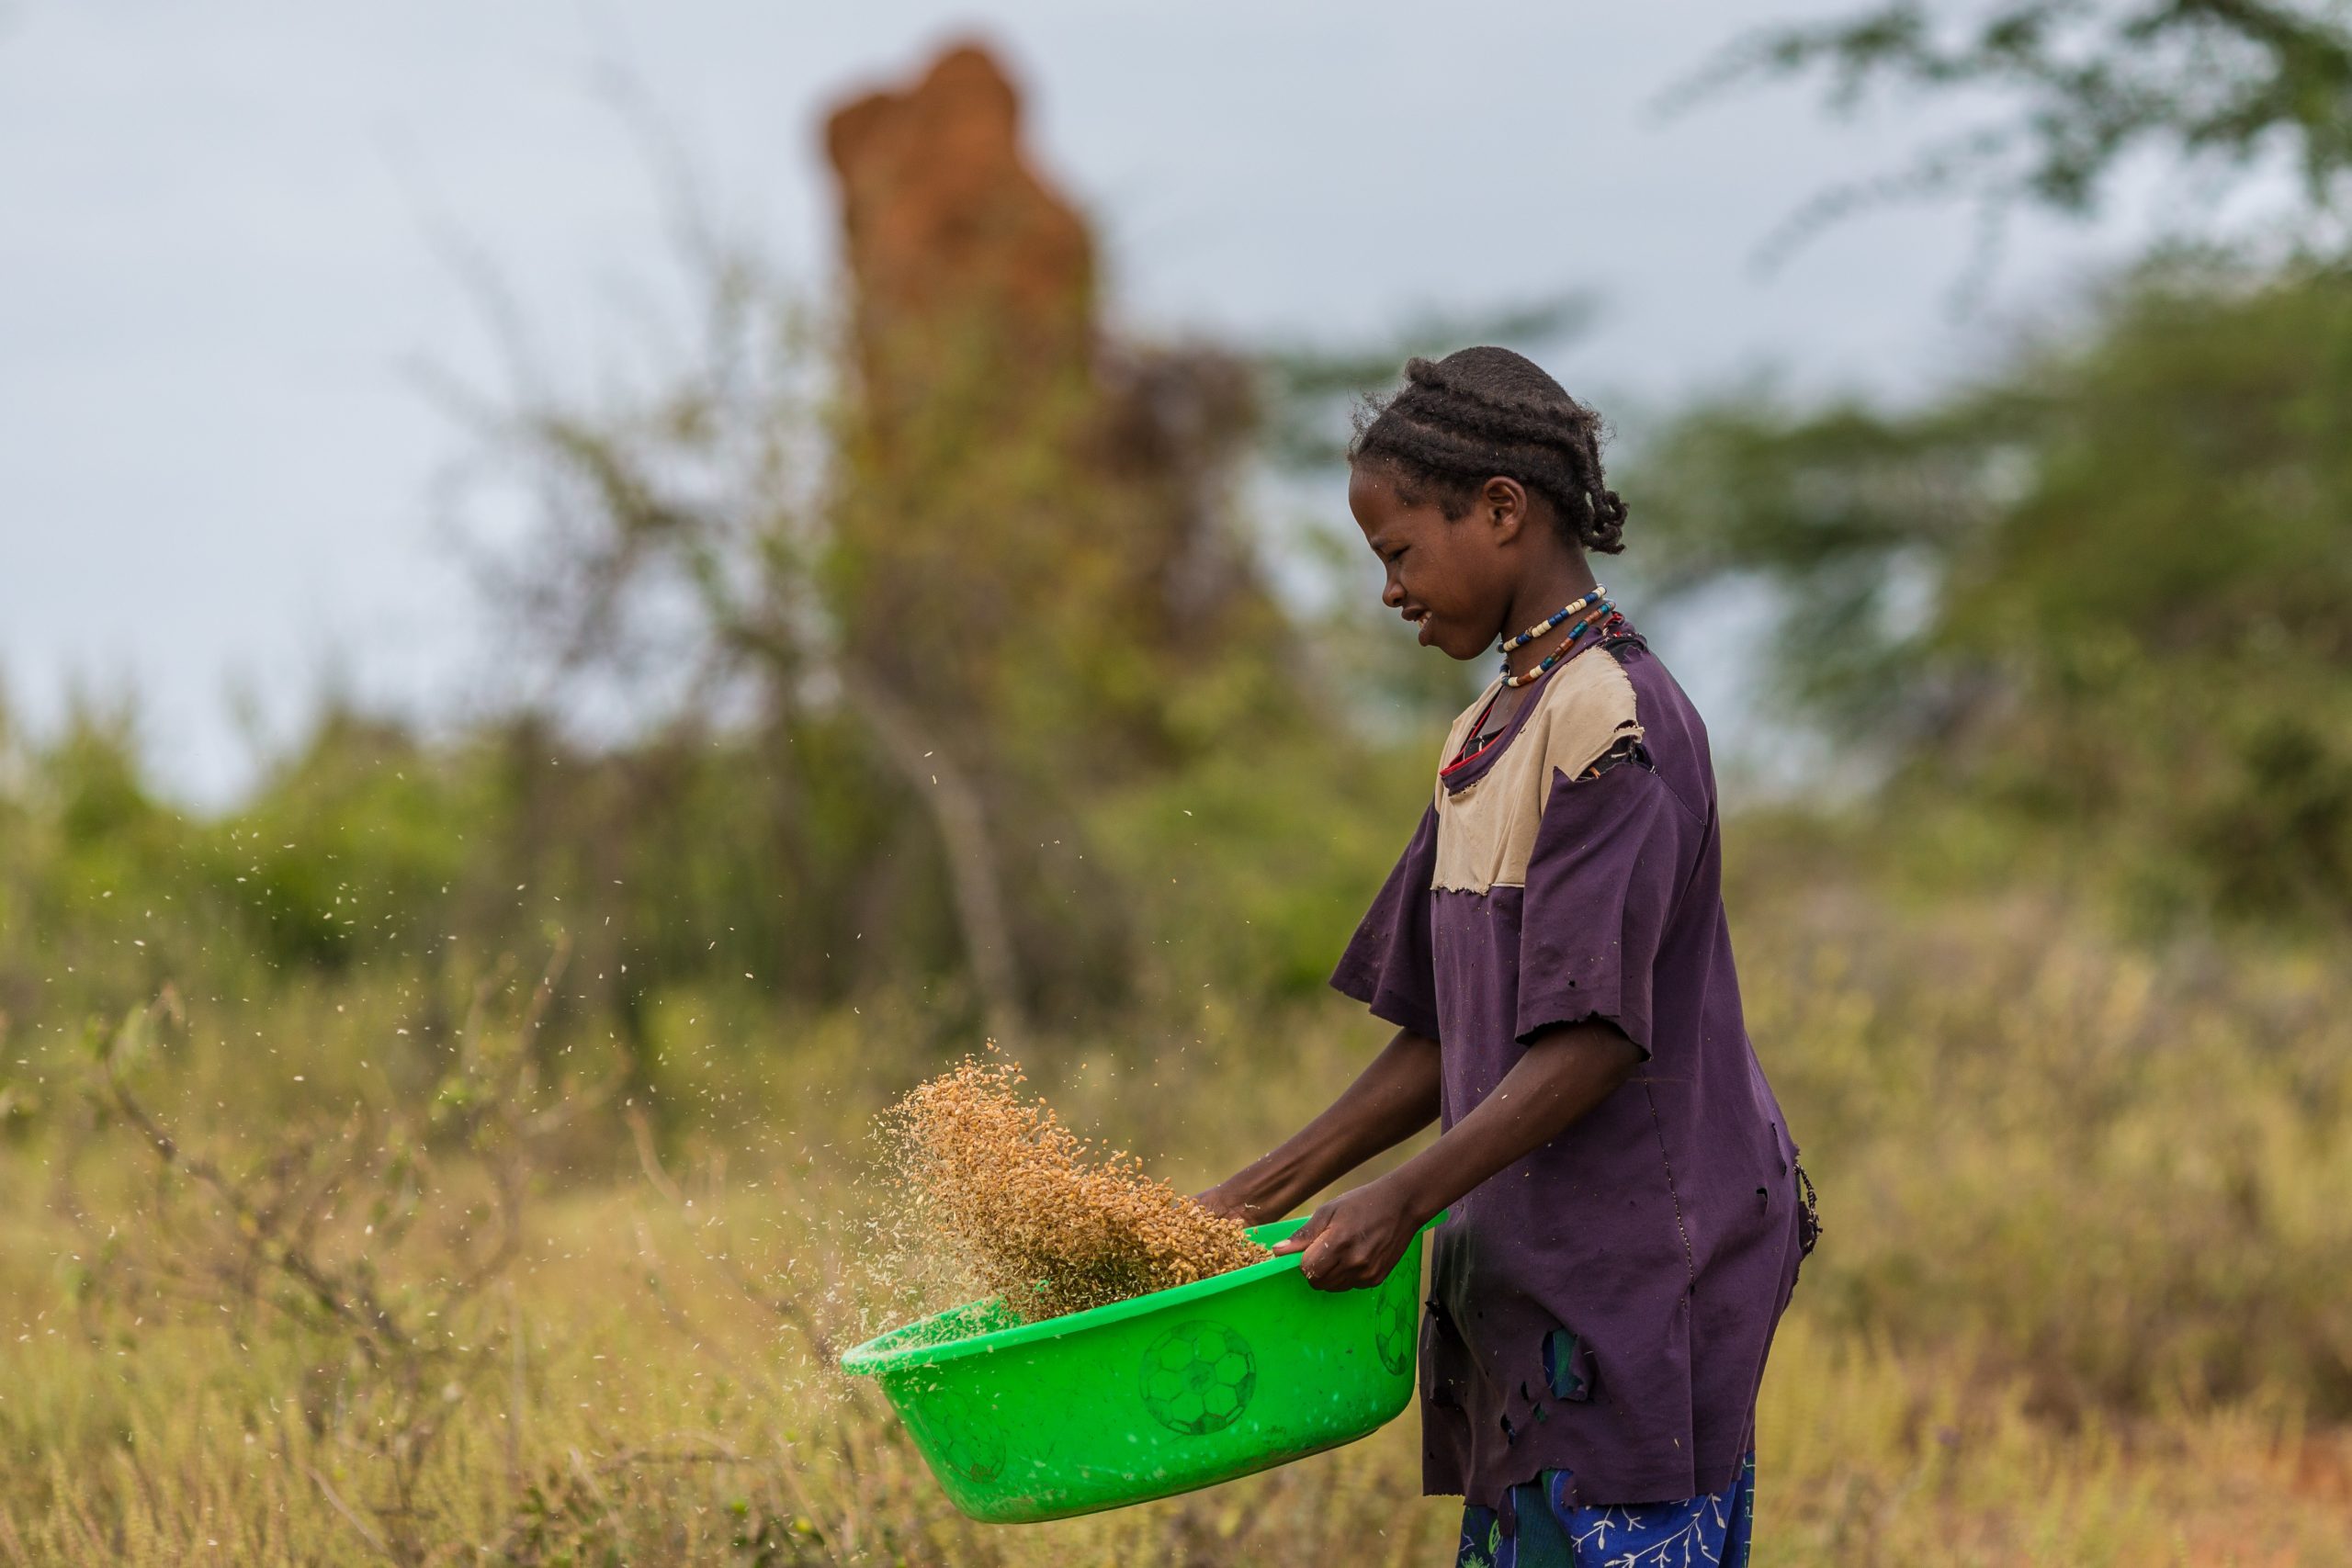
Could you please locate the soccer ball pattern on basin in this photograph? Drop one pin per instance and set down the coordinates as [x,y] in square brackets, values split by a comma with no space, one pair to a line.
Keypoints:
[1198,1377]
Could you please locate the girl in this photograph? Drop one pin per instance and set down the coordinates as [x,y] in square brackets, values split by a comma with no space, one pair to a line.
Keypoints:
[1627,1213]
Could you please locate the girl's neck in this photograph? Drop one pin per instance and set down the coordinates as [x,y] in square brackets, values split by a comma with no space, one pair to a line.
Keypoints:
[1537,598]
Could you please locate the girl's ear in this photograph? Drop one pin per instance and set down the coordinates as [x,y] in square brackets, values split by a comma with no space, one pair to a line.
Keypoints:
[1503,505]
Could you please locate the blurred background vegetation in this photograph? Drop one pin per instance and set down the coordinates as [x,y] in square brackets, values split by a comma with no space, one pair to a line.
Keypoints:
[498,1099]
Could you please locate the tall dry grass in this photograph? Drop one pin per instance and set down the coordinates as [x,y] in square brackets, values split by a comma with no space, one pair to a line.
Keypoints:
[2080,1300]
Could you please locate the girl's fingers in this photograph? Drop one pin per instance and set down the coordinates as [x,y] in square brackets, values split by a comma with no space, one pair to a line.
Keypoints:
[1335,1262]
[1317,1262]
[1297,1240]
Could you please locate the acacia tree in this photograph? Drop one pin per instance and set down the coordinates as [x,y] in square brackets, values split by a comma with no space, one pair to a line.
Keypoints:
[2070,89]
[988,609]
[685,561]
[2044,596]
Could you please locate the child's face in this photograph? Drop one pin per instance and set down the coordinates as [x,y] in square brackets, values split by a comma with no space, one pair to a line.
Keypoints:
[1453,579]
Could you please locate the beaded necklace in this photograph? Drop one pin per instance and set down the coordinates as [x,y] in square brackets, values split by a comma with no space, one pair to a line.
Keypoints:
[1612,626]
[1602,614]
[1556,617]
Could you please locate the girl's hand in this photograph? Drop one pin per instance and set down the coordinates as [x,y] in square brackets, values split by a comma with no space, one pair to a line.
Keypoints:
[1355,1239]
[1391,1099]
[1228,1201]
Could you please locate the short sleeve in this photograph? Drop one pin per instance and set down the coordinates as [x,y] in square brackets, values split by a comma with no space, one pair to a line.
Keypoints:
[1603,883]
[1388,964]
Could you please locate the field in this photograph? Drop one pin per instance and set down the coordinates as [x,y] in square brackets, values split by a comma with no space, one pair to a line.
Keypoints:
[474,1298]
[459,1147]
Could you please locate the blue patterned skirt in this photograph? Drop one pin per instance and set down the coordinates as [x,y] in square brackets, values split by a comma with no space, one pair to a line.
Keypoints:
[1538,1528]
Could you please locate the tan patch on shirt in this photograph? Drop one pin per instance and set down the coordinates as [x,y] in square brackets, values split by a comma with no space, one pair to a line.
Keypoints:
[1485,832]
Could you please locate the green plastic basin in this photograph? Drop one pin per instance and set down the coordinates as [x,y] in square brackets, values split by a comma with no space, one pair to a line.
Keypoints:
[1152,1397]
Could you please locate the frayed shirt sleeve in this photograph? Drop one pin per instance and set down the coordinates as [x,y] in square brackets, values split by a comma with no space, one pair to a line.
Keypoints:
[1388,964]
[1602,884]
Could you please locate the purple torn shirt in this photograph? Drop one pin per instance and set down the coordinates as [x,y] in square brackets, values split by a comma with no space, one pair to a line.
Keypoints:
[1604,1306]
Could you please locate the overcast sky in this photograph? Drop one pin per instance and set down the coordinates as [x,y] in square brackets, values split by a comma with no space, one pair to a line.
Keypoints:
[222,258]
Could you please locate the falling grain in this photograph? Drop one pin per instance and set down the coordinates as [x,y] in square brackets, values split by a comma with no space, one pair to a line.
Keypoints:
[1044,1222]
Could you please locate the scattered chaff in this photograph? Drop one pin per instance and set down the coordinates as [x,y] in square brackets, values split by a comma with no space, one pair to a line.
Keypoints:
[1045,1221]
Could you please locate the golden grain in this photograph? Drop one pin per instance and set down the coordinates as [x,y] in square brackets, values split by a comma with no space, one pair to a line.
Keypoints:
[1044,1221]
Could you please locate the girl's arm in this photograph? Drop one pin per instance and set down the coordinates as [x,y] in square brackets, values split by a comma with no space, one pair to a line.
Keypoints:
[1393,1098]
[1356,1238]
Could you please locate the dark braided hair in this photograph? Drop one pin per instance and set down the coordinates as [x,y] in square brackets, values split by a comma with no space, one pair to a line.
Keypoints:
[1482,414]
